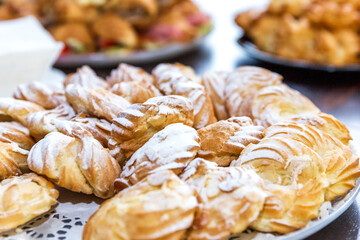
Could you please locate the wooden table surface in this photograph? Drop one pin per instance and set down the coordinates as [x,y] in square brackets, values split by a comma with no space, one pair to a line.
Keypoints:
[334,93]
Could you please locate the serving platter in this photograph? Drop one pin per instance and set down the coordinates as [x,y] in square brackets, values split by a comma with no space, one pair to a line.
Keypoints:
[67,219]
[252,50]
[136,57]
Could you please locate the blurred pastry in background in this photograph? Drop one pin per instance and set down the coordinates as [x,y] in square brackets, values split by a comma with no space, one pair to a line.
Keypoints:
[113,33]
[320,31]
[10,9]
[76,37]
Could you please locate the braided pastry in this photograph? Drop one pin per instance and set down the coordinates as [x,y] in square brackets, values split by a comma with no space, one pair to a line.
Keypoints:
[42,122]
[223,141]
[172,148]
[327,123]
[86,77]
[275,104]
[215,83]
[134,92]
[12,160]
[96,102]
[342,166]
[128,73]
[77,163]
[17,110]
[294,175]
[230,199]
[46,96]
[23,198]
[170,80]
[160,207]
[138,123]
[15,133]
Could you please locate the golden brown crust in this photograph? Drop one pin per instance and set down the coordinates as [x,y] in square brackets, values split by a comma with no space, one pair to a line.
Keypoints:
[171,148]
[133,92]
[342,166]
[172,80]
[86,77]
[18,110]
[46,96]
[129,73]
[138,123]
[276,104]
[243,84]
[15,133]
[95,102]
[12,160]
[23,198]
[160,207]
[78,163]
[230,199]
[223,141]
[327,123]
[295,176]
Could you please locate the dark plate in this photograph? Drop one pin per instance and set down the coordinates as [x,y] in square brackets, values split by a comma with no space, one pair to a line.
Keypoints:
[258,54]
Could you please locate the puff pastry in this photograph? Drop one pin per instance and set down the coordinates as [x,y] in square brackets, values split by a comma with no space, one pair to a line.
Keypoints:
[223,141]
[342,166]
[161,206]
[243,84]
[45,95]
[172,148]
[95,102]
[12,160]
[229,199]
[42,122]
[275,104]
[129,73]
[18,110]
[295,176]
[86,77]
[327,123]
[24,197]
[171,80]
[138,123]
[79,163]
[215,83]
[15,133]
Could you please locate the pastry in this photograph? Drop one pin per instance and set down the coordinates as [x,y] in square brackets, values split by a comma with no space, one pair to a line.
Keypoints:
[15,133]
[18,110]
[172,81]
[79,163]
[76,37]
[161,206]
[223,141]
[215,83]
[23,198]
[12,160]
[133,92]
[229,199]
[342,166]
[95,102]
[137,124]
[114,33]
[327,123]
[171,148]
[139,13]
[242,85]
[45,95]
[42,122]
[275,104]
[294,175]
[11,9]
[129,73]
[86,77]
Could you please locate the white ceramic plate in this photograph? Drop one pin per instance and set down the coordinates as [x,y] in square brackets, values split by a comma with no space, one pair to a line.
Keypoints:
[137,57]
